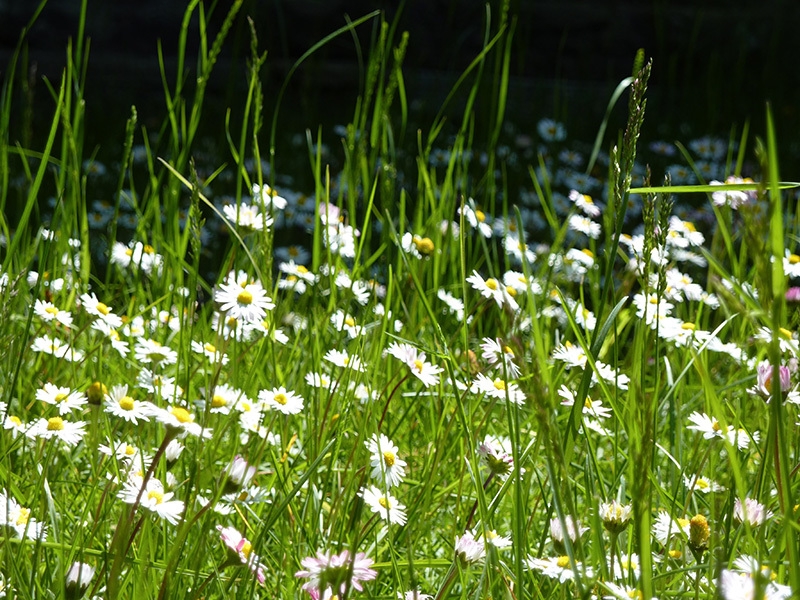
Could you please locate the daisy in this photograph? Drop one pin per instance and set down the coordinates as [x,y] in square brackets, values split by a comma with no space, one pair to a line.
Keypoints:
[57,348]
[47,311]
[742,586]
[224,398]
[500,356]
[702,484]
[469,550]
[71,433]
[62,397]
[318,380]
[426,372]
[557,567]
[615,516]
[342,321]
[268,197]
[585,203]
[454,305]
[499,388]
[78,579]
[763,385]
[666,527]
[94,307]
[551,131]
[180,419]
[417,246]
[123,406]
[585,226]
[476,218]
[238,475]
[385,505]
[282,400]
[572,355]
[610,375]
[344,360]
[149,351]
[247,216]
[18,519]
[493,289]
[246,300]
[241,550]
[387,467]
[210,352]
[113,336]
[153,498]
[750,511]
[330,574]
[496,453]
[158,384]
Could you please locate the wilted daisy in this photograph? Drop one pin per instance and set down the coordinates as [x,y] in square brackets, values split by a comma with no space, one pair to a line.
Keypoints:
[65,399]
[573,530]
[71,433]
[333,574]
[242,298]
[384,504]
[241,550]
[387,467]
[282,400]
[47,311]
[153,498]
[496,453]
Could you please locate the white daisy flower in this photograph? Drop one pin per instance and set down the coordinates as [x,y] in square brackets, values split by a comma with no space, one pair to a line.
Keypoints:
[282,400]
[47,311]
[65,399]
[387,467]
[385,505]
[71,433]
[153,498]
[499,388]
[246,300]
[123,406]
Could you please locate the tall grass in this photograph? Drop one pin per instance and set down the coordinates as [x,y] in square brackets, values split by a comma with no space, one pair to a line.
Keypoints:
[566,381]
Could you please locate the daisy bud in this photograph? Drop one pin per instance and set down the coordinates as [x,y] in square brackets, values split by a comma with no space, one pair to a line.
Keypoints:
[79,577]
[237,475]
[698,534]
[615,516]
[96,393]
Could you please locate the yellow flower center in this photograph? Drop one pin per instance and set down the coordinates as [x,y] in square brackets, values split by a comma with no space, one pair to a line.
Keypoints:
[588,252]
[280,398]
[785,333]
[129,450]
[683,522]
[676,554]
[350,321]
[302,269]
[102,308]
[209,348]
[246,548]
[794,259]
[702,483]
[688,326]
[588,403]
[716,426]
[60,397]
[126,403]
[499,384]
[181,414]
[384,502]
[24,513]
[689,226]
[563,562]
[388,458]
[157,496]
[244,297]
[51,310]
[424,245]
[55,424]
[511,292]
[480,216]
[218,401]
[419,365]
[15,420]
[491,284]
[148,249]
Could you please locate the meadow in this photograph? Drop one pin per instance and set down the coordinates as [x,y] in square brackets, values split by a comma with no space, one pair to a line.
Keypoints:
[483,363]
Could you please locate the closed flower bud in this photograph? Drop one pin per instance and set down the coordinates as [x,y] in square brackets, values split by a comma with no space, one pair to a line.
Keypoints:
[96,393]
[698,534]
[79,577]
[615,516]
